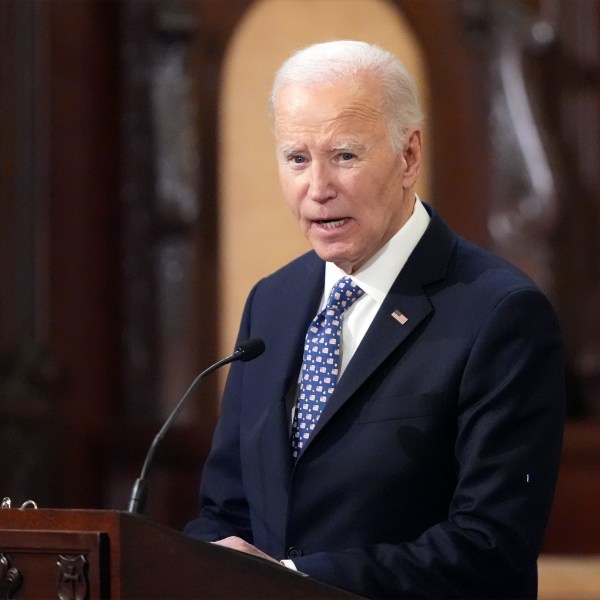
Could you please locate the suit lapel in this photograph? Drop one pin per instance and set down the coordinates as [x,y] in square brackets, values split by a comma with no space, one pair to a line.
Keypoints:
[409,301]
[300,294]
[300,299]
[383,336]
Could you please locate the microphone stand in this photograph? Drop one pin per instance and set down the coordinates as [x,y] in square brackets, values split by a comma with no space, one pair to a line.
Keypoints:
[139,492]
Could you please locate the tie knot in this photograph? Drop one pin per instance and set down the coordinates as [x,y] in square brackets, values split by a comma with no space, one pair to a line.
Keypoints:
[344,294]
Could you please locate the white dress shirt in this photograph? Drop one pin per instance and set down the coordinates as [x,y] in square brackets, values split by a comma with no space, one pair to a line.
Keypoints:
[375,278]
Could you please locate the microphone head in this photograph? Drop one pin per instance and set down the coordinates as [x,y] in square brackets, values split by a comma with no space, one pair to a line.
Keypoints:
[250,349]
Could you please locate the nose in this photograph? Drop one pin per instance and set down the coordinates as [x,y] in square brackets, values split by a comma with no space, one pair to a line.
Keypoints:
[321,185]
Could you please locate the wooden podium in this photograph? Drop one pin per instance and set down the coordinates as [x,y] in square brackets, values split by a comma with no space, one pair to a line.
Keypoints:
[89,555]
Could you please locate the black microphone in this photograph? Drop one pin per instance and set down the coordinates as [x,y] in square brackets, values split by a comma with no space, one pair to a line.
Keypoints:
[248,350]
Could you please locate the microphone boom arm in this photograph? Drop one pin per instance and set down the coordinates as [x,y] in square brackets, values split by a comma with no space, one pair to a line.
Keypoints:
[246,351]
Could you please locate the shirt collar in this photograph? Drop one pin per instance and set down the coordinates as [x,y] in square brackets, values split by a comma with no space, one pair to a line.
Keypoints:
[378,274]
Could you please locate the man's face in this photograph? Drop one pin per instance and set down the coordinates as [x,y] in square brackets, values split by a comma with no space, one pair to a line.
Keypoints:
[349,191]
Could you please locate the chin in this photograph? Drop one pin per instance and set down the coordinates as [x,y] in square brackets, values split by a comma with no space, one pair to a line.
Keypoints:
[342,263]
[342,259]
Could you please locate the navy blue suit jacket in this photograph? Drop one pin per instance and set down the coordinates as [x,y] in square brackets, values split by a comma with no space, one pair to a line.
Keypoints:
[432,468]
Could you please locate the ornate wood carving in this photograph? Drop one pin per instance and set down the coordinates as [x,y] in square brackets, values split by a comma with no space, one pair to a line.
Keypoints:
[524,195]
[161,205]
[73,581]
[541,86]
[10,578]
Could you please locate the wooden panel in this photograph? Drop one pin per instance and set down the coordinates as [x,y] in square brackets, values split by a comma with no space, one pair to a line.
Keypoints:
[458,120]
[84,212]
[66,561]
[153,562]
[569,577]
[574,525]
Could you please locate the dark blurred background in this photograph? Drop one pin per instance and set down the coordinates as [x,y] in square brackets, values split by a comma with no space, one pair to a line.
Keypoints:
[109,244]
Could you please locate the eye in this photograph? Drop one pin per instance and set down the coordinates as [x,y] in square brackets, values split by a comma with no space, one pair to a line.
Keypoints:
[346,156]
[297,159]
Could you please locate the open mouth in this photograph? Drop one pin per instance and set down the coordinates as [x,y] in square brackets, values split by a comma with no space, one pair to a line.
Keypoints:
[331,223]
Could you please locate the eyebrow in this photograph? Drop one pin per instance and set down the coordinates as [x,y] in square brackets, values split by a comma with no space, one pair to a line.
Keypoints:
[344,146]
[287,149]
[347,146]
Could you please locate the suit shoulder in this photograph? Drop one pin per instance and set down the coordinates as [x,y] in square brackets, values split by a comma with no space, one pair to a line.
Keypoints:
[305,265]
[476,263]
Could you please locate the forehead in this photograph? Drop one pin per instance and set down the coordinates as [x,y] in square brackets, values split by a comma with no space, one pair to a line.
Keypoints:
[339,105]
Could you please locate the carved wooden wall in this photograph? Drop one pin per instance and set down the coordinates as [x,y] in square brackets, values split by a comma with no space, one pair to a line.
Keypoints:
[59,196]
[108,199]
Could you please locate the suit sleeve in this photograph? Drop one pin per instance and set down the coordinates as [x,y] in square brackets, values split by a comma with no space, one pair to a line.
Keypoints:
[510,417]
[224,508]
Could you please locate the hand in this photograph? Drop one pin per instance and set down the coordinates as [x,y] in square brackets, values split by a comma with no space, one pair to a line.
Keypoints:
[236,543]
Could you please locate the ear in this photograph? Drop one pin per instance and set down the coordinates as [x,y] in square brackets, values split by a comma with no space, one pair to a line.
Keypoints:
[413,157]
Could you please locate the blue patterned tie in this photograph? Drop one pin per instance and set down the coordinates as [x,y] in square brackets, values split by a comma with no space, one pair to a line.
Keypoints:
[320,364]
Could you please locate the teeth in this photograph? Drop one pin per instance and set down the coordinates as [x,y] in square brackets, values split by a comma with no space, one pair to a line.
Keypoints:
[332,224]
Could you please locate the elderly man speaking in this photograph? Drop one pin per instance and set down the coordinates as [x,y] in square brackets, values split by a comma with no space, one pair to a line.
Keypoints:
[400,436]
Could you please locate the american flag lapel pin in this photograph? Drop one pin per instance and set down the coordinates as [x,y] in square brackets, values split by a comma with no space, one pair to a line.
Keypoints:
[400,317]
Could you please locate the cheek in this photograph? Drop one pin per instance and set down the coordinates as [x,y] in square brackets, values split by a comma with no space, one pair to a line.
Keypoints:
[360,184]
[291,195]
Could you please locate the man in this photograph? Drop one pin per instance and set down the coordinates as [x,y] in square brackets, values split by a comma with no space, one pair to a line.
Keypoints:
[425,464]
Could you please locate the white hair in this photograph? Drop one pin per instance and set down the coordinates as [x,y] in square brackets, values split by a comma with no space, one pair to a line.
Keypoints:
[322,63]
